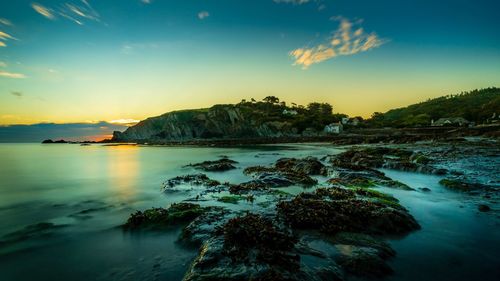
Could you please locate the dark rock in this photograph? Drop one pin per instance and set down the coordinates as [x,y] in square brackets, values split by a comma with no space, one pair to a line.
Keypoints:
[285,172]
[363,261]
[158,217]
[49,141]
[425,189]
[483,208]
[463,185]
[366,241]
[195,179]
[385,157]
[308,166]
[223,164]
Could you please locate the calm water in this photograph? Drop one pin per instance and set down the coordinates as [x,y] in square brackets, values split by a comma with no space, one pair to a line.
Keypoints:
[86,192]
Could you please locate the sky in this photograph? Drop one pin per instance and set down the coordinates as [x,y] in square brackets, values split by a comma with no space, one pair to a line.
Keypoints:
[86,61]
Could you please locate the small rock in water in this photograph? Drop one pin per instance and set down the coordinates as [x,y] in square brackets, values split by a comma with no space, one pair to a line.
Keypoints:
[483,208]
[425,189]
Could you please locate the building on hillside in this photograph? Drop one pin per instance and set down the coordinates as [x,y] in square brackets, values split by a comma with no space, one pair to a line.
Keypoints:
[334,128]
[290,112]
[493,119]
[452,121]
[354,121]
[350,121]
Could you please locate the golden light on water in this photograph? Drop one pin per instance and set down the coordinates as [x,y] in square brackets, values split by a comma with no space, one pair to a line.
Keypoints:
[123,169]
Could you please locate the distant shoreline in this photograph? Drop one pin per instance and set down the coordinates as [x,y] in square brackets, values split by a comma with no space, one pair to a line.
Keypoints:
[354,136]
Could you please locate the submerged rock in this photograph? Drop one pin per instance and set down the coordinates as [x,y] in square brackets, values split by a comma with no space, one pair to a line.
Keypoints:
[206,225]
[364,261]
[34,231]
[177,213]
[223,164]
[483,208]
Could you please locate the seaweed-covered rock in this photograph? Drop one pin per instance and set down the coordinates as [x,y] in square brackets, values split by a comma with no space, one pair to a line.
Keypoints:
[194,179]
[223,164]
[248,248]
[462,185]
[365,179]
[385,157]
[206,225]
[352,214]
[308,166]
[253,185]
[285,172]
[159,217]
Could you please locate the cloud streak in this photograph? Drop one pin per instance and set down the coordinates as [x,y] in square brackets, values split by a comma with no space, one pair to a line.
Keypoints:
[348,39]
[11,75]
[46,12]
[76,12]
[203,14]
[5,22]
[17,94]
[295,2]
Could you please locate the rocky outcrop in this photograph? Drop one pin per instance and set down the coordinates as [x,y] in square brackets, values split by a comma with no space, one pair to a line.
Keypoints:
[217,122]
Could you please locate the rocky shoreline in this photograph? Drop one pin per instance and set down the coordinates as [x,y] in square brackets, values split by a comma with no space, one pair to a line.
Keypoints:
[334,229]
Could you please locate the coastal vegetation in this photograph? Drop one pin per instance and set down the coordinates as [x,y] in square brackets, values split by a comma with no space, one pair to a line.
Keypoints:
[477,106]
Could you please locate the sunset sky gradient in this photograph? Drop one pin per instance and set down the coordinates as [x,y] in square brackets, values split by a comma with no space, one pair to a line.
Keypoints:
[123,60]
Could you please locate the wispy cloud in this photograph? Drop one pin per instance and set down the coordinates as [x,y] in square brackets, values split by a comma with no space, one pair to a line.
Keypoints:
[146,1]
[76,12]
[17,94]
[203,14]
[5,22]
[3,64]
[4,36]
[12,75]
[348,39]
[125,122]
[46,12]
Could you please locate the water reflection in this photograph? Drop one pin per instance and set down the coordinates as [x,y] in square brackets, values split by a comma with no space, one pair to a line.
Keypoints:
[123,170]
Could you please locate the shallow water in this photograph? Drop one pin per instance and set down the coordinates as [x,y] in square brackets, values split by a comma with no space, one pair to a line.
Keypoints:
[88,191]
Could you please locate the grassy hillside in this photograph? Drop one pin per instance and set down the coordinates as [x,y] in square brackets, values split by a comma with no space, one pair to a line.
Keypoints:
[476,106]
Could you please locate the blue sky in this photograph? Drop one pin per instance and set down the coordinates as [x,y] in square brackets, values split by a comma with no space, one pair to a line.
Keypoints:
[76,61]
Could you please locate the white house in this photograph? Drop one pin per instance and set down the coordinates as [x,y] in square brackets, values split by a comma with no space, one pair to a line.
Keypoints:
[454,121]
[334,128]
[289,112]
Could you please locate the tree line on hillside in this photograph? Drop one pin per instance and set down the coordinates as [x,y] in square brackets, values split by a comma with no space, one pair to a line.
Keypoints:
[314,115]
[478,106]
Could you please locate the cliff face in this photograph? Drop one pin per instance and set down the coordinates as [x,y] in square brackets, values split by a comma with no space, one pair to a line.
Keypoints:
[218,122]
